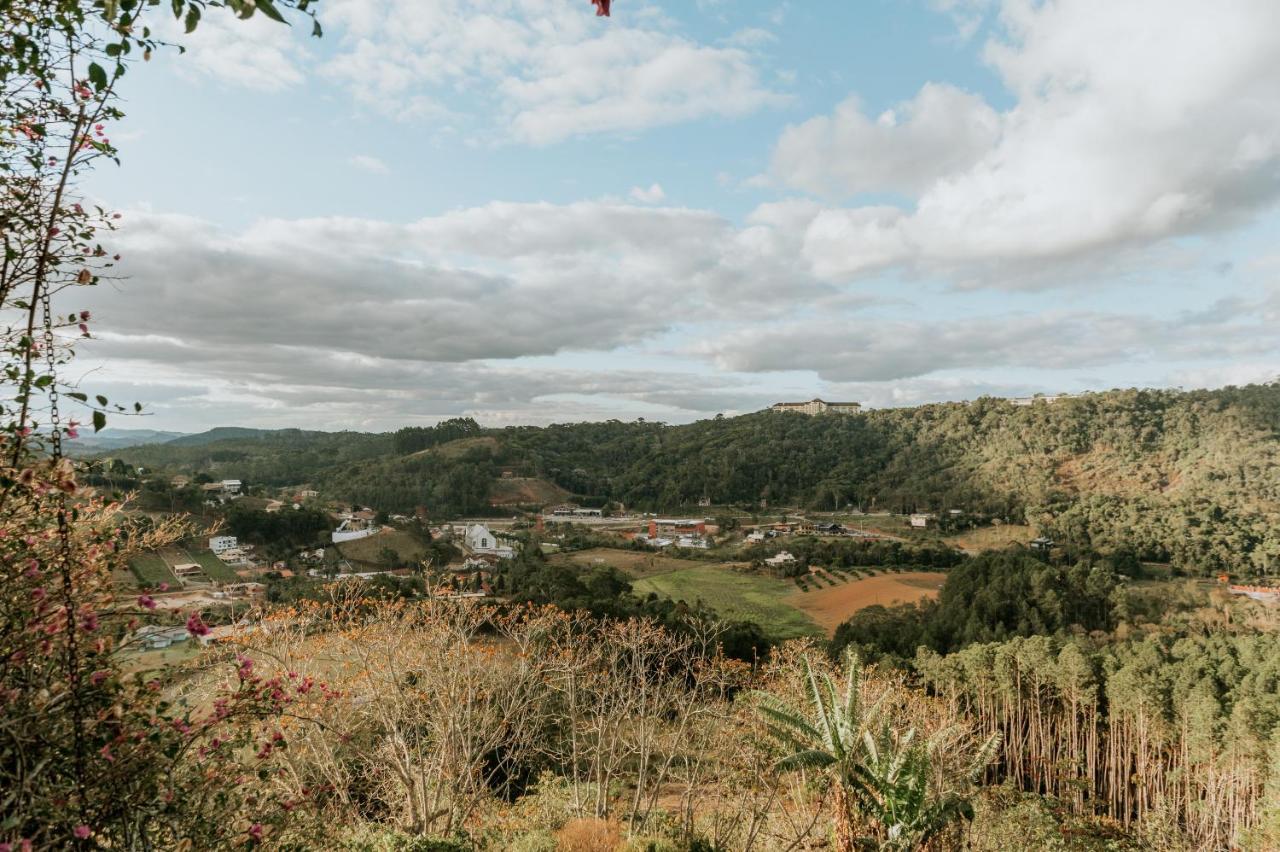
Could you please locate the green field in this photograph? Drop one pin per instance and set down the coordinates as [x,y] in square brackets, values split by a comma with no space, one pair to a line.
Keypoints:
[214,567]
[735,595]
[151,570]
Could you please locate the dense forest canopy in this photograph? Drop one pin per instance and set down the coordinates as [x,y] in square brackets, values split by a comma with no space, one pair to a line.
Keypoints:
[1187,477]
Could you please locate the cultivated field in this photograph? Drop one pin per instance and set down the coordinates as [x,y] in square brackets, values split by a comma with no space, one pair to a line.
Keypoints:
[734,595]
[151,570]
[831,606]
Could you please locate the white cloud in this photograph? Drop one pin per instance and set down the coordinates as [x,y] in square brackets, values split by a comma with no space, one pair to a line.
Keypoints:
[880,350]
[941,131]
[371,164]
[257,54]
[549,69]
[652,195]
[1135,122]
[500,281]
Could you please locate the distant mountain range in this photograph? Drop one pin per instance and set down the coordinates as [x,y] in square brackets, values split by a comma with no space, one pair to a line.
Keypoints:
[109,440]
[117,439]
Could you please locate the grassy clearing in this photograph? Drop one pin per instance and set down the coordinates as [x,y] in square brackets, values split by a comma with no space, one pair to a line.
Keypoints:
[369,550]
[735,595]
[633,563]
[992,538]
[151,570]
[214,567]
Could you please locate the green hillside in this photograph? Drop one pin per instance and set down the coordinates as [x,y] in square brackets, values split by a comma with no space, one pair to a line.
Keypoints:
[1187,477]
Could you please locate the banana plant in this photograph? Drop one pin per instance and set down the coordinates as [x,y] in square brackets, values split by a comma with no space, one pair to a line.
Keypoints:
[883,778]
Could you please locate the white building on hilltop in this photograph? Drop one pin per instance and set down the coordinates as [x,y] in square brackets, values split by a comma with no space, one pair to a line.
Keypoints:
[819,406]
[220,544]
[479,540]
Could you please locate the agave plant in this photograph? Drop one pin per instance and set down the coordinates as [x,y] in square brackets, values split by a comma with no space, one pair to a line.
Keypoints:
[883,775]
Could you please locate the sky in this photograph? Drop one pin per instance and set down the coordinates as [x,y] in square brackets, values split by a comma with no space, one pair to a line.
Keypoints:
[517,211]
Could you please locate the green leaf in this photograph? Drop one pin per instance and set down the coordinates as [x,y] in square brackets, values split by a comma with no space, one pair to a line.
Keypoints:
[102,400]
[99,421]
[193,18]
[78,396]
[268,8]
[97,76]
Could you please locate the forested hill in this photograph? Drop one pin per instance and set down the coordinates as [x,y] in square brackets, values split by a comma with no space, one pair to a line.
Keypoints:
[1189,476]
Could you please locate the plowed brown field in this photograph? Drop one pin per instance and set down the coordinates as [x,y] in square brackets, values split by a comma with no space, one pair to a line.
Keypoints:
[829,607]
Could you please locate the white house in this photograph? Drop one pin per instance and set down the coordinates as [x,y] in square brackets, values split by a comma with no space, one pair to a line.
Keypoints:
[479,540]
[921,521]
[231,486]
[222,543]
[780,558]
[155,636]
[755,537]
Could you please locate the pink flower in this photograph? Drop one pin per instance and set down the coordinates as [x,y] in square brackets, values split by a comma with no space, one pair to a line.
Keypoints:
[196,625]
[82,832]
[255,831]
[164,587]
[105,754]
[146,601]
[99,676]
[84,316]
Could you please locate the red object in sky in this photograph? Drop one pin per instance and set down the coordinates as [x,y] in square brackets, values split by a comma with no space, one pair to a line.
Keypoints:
[602,8]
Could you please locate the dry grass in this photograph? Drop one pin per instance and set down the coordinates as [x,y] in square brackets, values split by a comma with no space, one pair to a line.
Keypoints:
[525,491]
[634,563]
[832,606]
[368,550]
[589,835]
[992,538]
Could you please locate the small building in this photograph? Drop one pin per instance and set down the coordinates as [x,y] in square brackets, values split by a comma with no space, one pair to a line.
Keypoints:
[480,540]
[180,481]
[219,544]
[156,637]
[231,486]
[1046,398]
[1041,544]
[570,511]
[756,537]
[780,558]
[818,406]
[921,520]
[696,542]
[187,569]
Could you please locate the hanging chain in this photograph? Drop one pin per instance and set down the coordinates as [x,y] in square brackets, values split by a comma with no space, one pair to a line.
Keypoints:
[65,560]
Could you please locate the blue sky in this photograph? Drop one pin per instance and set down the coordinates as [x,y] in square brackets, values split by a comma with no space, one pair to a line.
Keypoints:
[517,211]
